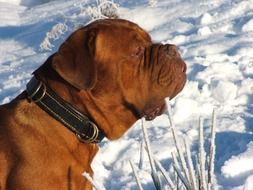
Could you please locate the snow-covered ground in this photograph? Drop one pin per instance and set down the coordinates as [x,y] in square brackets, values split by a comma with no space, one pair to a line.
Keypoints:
[216,41]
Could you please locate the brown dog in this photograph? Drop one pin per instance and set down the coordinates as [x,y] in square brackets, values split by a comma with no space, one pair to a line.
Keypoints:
[113,75]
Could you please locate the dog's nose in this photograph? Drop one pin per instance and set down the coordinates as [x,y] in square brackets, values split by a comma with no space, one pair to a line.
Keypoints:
[171,50]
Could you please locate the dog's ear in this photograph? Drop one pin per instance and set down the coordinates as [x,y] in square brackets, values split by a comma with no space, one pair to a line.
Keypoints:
[75,59]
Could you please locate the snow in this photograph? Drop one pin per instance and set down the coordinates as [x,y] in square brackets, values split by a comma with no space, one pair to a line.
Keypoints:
[249,183]
[205,31]
[241,163]
[206,18]
[215,39]
[221,95]
[29,3]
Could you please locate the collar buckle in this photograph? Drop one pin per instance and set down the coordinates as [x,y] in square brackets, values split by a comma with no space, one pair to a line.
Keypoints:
[92,138]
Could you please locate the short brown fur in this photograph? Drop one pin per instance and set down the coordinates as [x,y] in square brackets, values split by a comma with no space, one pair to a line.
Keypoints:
[111,71]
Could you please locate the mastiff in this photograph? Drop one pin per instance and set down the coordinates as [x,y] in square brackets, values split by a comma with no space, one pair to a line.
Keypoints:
[103,78]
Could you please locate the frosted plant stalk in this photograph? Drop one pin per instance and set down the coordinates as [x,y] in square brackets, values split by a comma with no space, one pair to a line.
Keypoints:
[55,33]
[182,178]
[154,173]
[136,176]
[141,162]
[201,179]
[179,150]
[164,173]
[202,155]
[198,171]
[89,178]
[152,3]
[179,175]
[177,180]
[175,162]
[103,9]
[46,45]
[212,150]
[190,165]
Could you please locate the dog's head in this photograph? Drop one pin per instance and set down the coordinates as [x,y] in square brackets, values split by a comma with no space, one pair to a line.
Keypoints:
[116,61]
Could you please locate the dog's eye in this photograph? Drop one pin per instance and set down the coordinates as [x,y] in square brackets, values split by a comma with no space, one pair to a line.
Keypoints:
[138,51]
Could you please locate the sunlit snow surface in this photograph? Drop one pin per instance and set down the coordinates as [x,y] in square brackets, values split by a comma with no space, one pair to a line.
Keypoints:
[215,39]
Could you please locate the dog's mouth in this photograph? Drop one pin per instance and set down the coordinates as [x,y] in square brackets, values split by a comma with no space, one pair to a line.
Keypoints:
[151,113]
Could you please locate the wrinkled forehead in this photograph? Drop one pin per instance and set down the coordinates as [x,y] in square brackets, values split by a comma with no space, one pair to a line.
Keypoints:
[120,29]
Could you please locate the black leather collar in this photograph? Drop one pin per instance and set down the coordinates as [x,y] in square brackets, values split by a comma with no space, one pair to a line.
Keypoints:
[49,101]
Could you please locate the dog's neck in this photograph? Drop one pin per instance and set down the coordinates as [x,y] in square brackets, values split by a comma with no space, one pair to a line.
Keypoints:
[52,79]
[96,108]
